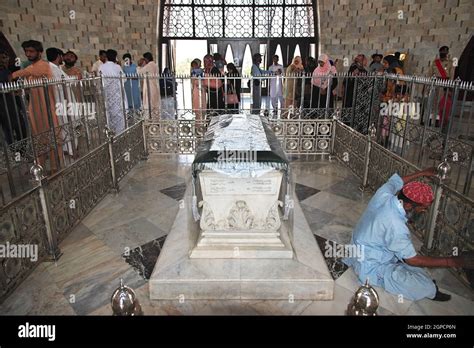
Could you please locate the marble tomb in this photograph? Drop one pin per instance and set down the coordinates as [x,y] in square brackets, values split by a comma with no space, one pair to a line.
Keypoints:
[236,236]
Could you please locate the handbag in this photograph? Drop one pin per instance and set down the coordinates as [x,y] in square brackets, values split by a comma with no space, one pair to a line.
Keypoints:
[231,96]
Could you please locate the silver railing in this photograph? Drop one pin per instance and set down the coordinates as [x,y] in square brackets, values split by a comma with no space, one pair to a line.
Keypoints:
[420,119]
[43,216]
[52,122]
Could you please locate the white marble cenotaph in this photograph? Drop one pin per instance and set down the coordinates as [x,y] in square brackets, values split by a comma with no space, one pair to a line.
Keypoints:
[234,237]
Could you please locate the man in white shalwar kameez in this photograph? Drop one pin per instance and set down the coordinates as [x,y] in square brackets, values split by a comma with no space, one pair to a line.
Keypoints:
[276,84]
[114,103]
[65,117]
[151,97]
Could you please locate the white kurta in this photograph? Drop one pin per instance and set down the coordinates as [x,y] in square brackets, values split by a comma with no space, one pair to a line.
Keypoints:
[65,104]
[58,74]
[153,95]
[276,84]
[114,103]
[96,66]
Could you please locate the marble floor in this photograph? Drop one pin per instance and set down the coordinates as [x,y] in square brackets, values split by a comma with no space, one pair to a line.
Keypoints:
[123,236]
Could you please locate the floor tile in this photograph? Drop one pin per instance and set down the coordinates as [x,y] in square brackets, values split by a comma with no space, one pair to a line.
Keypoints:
[175,192]
[144,257]
[335,265]
[37,295]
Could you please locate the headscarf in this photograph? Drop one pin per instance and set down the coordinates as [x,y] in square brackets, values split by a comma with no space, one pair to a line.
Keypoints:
[325,70]
[295,67]
[360,61]
[418,192]
[297,63]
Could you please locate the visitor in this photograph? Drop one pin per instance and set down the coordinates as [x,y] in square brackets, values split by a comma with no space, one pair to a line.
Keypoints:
[132,85]
[322,76]
[39,120]
[234,84]
[114,103]
[391,93]
[389,258]
[196,70]
[392,66]
[102,59]
[219,62]
[356,69]
[397,56]
[309,67]
[376,65]
[63,111]
[150,90]
[70,59]
[167,83]
[197,90]
[215,90]
[208,64]
[293,83]
[442,67]
[256,72]
[55,59]
[12,119]
[276,84]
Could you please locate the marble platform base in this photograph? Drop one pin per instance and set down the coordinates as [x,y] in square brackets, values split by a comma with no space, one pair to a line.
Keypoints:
[243,244]
[177,276]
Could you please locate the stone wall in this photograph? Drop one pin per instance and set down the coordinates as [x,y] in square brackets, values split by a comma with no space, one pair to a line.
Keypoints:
[347,27]
[84,26]
[368,26]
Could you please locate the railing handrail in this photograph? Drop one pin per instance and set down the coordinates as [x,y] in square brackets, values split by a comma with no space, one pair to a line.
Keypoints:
[437,82]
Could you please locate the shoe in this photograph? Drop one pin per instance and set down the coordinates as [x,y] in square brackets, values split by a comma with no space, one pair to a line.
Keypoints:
[440,296]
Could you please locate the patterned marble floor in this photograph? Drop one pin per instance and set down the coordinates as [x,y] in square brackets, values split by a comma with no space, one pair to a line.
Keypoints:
[123,236]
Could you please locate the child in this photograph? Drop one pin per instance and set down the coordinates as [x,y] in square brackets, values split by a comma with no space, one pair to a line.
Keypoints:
[196,70]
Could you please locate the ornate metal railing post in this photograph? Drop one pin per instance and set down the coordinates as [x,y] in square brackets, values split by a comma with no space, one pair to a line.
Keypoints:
[53,136]
[333,135]
[147,83]
[8,167]
[354,96]
[110,134]
[443,171]
[328,96]
[370,138]
[454,98]
[431,96]
[53,249]
[104,106]
[122,94]
[408,115]
[470,168]
[145,143]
